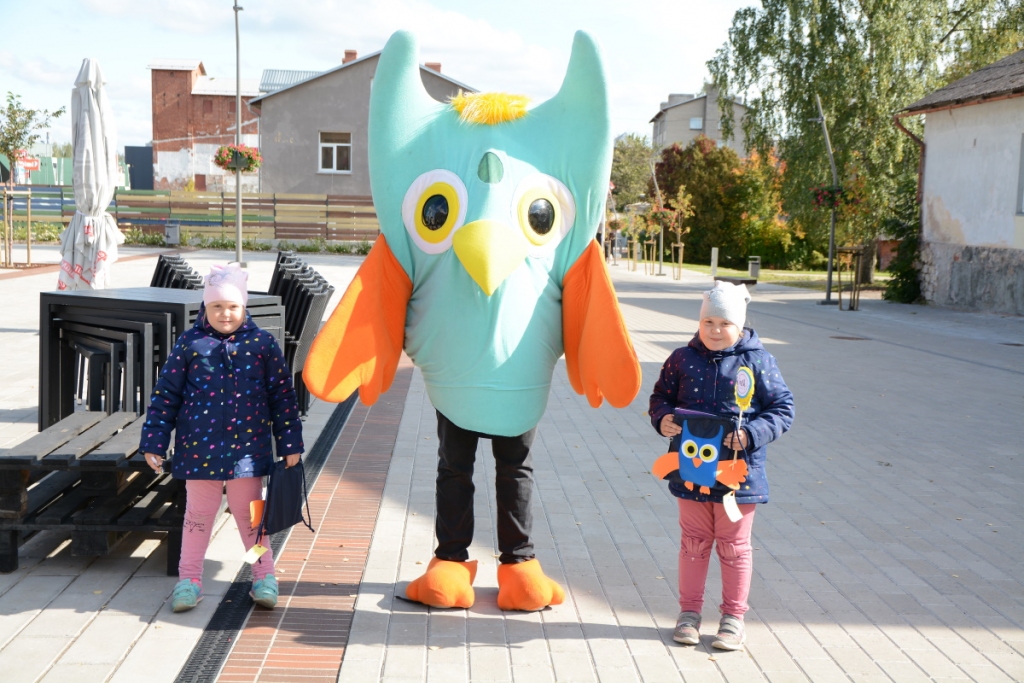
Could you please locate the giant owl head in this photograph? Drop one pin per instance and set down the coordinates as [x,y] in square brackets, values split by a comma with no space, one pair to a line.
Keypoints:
[484,180]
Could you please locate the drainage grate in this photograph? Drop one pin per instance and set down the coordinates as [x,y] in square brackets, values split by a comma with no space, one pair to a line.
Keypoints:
[851,338]
[207,658]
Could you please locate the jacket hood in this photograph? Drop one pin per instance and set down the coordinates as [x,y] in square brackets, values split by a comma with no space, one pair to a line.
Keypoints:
[748,341]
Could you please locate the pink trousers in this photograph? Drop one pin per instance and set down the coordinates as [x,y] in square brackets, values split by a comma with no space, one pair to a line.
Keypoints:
[202,502]
[703,524]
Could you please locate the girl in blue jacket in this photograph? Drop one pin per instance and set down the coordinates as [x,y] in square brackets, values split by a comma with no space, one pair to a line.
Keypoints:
[225,390]
[701,376]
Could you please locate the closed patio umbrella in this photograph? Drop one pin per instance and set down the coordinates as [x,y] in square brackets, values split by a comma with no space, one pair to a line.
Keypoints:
[89,244]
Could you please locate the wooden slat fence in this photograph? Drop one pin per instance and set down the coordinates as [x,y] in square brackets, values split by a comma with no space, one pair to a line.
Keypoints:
[211,214]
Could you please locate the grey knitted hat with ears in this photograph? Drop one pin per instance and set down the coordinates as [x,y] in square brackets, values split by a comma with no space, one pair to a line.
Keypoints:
[727,301]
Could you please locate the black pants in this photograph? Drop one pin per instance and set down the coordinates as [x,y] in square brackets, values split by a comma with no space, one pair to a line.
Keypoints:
[513,483]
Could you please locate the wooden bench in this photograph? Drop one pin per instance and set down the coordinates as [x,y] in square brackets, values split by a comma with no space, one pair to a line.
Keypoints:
[85,475]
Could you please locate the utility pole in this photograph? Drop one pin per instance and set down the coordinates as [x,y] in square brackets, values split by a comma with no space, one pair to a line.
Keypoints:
[238,141]
[832,227]
[661,228]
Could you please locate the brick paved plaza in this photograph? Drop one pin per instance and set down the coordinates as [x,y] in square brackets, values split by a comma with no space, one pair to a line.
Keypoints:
[891,549]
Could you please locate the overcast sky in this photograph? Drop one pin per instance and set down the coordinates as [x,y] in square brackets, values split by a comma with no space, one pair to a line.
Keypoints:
[651,47]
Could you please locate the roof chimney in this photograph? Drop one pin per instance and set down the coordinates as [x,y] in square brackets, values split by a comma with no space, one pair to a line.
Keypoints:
[350,56]
[434,66]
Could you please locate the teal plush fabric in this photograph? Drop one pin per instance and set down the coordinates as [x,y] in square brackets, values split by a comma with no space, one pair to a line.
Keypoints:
[487,359]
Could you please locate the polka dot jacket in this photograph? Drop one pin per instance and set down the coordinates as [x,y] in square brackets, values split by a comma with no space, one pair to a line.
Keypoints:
[698,379]
[224,396]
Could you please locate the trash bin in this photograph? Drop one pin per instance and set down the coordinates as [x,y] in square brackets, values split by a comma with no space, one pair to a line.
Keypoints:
[753,266]
[172,232]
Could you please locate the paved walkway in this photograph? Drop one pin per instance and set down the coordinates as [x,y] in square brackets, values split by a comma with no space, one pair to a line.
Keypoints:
[891,550]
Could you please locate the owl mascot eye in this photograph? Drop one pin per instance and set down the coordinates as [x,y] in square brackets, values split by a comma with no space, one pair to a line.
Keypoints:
[485,272]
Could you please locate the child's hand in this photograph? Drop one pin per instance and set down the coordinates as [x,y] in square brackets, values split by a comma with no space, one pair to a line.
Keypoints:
[737,441]
[155,462]
[292,460]
[669,426]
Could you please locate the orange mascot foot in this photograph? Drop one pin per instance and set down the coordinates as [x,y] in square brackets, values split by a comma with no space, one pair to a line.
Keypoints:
[524,586]
[445,584]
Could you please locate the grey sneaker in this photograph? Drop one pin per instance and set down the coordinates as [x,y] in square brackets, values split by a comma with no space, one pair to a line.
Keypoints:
[687,628]
[731,633]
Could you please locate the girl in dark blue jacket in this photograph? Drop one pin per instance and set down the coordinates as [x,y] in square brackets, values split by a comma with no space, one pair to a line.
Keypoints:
[225,391]
[701,376]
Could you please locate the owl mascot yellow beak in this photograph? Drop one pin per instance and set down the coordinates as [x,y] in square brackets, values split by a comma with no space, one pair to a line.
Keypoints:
[485,272]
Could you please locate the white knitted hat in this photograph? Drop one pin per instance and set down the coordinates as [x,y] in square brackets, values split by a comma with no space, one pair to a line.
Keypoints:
[727,301]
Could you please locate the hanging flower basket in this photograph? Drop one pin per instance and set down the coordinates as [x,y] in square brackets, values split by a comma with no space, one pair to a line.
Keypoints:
[829,196]
[238,157]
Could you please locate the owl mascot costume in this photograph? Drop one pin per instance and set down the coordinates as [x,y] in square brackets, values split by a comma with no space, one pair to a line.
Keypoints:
[485,272]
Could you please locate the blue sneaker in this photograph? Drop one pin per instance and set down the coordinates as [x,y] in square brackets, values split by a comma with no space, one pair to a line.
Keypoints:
[187,595]
[264,591]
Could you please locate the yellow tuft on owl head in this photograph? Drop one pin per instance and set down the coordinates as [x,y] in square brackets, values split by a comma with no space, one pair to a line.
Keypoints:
[489,108]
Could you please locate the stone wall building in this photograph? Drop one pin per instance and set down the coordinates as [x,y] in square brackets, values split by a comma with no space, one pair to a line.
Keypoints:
[683,117]
[972,190]
[193,115]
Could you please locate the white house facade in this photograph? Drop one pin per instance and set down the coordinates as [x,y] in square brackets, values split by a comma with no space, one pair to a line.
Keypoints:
[972,192]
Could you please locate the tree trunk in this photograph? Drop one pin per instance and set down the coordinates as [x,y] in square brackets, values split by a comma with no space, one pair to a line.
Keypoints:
[867,263]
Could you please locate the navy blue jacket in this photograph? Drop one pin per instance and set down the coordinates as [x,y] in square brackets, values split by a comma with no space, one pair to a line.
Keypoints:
[698,379]
[224,395]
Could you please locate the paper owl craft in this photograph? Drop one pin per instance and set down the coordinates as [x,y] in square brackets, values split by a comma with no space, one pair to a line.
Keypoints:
[698,453]
[486,269]
[699,459]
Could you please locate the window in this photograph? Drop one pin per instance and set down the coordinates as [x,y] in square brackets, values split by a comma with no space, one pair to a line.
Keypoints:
[697,123]
[335,152]
[207,106]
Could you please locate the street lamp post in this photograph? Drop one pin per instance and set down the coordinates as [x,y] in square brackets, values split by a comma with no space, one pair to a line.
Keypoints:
[832,227]
[238,141]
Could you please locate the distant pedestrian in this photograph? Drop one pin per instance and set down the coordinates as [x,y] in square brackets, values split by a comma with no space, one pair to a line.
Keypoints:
[226,390]
[701,376]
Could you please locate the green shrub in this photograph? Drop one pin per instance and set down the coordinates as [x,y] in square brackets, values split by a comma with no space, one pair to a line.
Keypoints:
[339,248]
[313,246]
[41,232]
[135,236]
[363,248]
[905,225]
[285,245]
[250,244]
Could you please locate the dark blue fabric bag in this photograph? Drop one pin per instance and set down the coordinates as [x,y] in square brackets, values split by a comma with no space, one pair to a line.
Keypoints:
[286,493]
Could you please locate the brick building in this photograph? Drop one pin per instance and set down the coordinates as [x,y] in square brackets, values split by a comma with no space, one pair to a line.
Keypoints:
[193,115]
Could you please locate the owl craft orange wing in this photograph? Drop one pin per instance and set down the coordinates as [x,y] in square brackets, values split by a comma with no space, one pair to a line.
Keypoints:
[732,473]
[599,356]
[361,344]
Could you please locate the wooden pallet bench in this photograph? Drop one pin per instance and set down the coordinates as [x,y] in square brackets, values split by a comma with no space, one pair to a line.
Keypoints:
[84,475]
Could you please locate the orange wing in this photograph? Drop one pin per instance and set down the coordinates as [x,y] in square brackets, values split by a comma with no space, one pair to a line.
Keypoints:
[361,343]
[599,355]
[732,473]
[665,465]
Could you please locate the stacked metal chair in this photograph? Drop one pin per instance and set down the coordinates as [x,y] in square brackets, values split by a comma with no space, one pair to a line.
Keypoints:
[173,272]
[305,294]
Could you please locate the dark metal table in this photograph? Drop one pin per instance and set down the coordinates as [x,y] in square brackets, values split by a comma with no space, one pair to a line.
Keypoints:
[133,304]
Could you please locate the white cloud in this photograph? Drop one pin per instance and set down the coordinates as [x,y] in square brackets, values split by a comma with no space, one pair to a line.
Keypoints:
[186,16]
